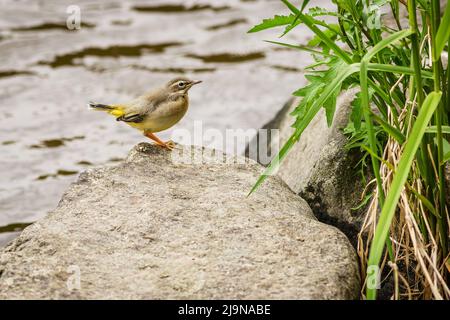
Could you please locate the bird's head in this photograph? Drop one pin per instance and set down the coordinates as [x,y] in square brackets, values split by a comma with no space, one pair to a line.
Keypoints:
[181,85]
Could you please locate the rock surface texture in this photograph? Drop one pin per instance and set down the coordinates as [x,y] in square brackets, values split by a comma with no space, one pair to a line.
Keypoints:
[158,227]
[319,169]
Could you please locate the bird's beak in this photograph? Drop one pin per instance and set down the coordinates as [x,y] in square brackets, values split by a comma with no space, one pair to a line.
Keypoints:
[196,82]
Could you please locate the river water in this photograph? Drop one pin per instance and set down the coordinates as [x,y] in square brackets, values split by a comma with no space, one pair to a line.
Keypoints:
[48,73]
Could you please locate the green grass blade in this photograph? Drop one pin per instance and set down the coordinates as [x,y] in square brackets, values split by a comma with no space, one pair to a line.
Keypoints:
[445,151]
[446,157]
[299,47]
[425,202]
[309,22]
[276,21]
[274,164]
[325,39]
[397,69]
[291,7]
[304,4]
[393,132]
[386,42]
[433,129]
[400,177]
[443,33]
[364,95]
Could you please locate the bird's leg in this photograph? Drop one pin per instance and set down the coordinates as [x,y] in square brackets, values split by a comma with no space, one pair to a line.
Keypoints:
[169,145]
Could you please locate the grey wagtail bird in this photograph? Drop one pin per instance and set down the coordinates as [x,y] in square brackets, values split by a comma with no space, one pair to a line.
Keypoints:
[154,111]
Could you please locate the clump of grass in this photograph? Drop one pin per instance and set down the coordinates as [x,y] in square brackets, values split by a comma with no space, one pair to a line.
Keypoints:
[399,120]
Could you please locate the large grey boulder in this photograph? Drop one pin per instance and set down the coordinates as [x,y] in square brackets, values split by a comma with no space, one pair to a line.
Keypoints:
[320,169]
[159,227]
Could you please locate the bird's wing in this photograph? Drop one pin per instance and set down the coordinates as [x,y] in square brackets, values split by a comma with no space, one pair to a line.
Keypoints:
[138,109]
[133,111]
[136,118]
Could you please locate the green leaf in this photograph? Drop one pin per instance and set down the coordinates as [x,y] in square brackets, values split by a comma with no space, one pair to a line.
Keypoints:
[291,7]
[304,4]
[344,72]
[446,157]
[443,34]
[274,164]
[318,80]
[363,202]
[425,202]
[330,33]
[386,42]
[397,69]
[445,146]
[356,114]
[433,129]
[277,21]
[300,125]
[445,150]
[347,5]
[319,11]
[299,47]
[400,177]
[392,131]
[310,23]
[330,105]
[332,28]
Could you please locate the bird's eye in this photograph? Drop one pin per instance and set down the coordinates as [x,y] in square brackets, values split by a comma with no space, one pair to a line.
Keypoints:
[181,84]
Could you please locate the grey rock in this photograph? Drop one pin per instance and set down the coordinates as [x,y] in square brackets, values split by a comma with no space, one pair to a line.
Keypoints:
[154,227]
[320,169]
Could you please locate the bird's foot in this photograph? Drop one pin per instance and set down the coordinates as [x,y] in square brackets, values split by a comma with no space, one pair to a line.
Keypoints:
[170,144]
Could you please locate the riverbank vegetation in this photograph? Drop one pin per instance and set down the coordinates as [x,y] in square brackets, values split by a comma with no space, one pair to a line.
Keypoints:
[391,50]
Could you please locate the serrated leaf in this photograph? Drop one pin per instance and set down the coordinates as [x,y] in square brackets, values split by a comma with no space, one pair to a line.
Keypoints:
[317,82]
[330,106]
[300,125]
[276,21]
[318,11]
[330,33]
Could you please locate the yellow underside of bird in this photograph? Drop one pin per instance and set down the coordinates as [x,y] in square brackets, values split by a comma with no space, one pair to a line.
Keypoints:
[155,122]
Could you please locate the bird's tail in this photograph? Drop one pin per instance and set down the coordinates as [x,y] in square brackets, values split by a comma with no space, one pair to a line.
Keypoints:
[100,106]
[115,110]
